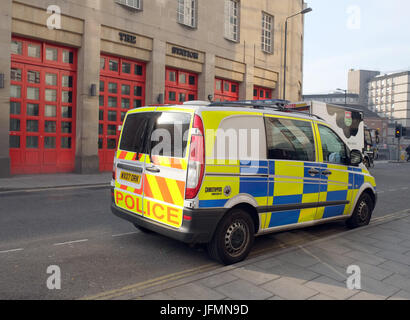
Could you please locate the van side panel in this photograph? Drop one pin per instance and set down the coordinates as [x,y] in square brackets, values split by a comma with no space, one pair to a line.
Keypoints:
[229,173]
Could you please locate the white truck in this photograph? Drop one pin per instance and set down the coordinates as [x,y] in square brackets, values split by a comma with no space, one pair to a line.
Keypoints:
[347,122]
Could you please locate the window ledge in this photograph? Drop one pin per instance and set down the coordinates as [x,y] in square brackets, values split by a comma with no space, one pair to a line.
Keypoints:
[231,40]
[130,8]
[188,26]
[267,52]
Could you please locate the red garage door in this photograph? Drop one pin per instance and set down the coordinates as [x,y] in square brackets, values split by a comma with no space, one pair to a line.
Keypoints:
[122,87]
[42,107]
[260,93]
[180,86]
[226,90]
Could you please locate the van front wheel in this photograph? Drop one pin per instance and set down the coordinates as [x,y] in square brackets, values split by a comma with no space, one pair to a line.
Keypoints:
[362,213]
[233,238]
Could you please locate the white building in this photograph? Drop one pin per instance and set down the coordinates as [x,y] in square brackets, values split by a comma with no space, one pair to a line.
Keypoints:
[386,94]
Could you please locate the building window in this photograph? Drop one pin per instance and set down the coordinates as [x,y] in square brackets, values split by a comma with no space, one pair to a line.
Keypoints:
[187,12]
[134,4]
[267,32]
[232,20]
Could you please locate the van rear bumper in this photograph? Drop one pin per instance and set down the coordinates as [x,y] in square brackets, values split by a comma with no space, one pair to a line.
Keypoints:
[199,229]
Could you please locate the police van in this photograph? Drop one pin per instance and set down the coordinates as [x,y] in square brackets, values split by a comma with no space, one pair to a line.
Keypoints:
[222,173]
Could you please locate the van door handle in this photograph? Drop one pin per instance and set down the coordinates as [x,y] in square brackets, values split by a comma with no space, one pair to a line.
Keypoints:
[153,169]
[313,172]
[327,173]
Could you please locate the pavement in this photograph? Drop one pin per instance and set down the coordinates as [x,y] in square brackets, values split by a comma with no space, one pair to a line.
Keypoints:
[30,182]
[313,271]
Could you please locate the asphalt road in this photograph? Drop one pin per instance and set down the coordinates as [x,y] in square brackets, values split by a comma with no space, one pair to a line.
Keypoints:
[97,252]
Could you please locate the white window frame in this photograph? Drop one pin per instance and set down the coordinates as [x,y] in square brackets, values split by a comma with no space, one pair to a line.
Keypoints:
[133,4]
[187,13]
[267,32]
[232,20]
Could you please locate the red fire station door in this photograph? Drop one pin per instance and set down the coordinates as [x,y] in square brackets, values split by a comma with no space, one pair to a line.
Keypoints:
[122,87]
[42,107]
[260,93]
[226,90]
[180,86]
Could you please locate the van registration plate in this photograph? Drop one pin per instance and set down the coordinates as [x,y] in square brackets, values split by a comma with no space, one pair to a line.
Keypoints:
[134,178]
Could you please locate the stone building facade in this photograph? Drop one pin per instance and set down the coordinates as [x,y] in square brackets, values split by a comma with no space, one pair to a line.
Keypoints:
[66,90]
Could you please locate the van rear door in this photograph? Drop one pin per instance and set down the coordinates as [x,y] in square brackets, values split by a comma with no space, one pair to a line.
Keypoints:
[130,162]
[166,166]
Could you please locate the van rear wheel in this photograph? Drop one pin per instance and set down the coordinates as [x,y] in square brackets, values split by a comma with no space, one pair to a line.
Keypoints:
[233,238]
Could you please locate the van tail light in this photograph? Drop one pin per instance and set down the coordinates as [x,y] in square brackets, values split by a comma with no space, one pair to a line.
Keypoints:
[196,161]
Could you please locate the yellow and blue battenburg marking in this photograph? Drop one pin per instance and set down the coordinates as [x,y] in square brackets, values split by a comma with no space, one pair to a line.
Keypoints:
[256,185]
[283,184]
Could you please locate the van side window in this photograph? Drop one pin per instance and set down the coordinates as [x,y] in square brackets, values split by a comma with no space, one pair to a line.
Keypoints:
[334,149]
[290,140]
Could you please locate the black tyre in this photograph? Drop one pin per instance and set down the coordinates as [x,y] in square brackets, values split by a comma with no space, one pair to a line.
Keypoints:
[233,238]
[142,229]
[362,213]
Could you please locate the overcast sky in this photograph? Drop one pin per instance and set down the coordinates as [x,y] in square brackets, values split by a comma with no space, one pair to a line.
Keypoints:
[362,34]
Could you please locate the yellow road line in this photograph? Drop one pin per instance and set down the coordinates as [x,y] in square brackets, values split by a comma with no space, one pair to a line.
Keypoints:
[152,282]
[204,268]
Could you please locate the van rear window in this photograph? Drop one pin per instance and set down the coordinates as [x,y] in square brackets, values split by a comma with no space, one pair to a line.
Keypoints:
[170,135]
[134,131]
[168,132]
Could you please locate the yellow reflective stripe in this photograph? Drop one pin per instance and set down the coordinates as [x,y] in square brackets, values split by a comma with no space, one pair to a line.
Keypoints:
[129,156]
[263,221]
[223,169]
[307,215]
[156,191]
[140,110]
[176,194]
[319,156]
[267,221]
[176,109]
[184,164]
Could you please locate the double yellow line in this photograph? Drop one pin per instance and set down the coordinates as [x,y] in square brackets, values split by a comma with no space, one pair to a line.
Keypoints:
[108,295]
[118,293]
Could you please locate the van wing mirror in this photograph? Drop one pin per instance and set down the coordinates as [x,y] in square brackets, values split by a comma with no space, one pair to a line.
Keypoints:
[356,157]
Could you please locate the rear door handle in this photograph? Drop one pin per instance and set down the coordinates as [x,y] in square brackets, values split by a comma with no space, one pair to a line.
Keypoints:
[153,169]
[326,173]
[313,172]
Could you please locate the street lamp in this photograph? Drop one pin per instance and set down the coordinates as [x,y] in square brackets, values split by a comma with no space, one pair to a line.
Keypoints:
[307,10]
[345,91]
